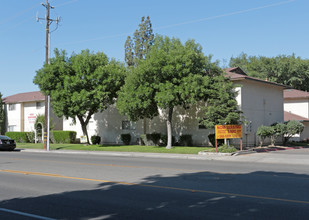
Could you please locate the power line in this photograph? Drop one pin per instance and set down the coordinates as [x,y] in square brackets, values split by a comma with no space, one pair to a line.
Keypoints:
[18,14]
[225,15]
[16,25]
[66,3]
[185,22]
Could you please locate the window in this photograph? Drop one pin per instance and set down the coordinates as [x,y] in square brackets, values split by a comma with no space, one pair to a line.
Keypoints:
[39,105]
[128,125]
[12,107]
[11,127]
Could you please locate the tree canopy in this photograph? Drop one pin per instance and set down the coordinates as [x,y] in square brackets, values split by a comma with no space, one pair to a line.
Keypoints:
[137,48]
[221,107]
[287,70]
[172,74]
[287,130]
[80,85]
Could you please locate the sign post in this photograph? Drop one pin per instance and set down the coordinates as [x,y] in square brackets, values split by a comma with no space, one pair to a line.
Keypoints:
[228,131]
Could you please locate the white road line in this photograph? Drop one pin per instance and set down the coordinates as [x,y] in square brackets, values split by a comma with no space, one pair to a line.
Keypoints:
[26,214]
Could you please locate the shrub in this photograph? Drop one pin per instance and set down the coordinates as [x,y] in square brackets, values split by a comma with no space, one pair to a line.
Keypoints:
[152,139]
[142,139]
[292,127]
[212,140]
[21,137]
[278,129]
[226,149]
[63,137]
[95,139]
[186,140]
[264,132]
[164,140]
[126,138]
[31,137]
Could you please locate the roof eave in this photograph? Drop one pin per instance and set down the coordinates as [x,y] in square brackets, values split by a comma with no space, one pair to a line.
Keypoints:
[258,80]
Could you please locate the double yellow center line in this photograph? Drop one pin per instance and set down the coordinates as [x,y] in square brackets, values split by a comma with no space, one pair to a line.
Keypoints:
[154,186]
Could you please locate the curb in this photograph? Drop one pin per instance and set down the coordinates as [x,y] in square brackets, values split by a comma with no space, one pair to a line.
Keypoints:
[270,149]
[210,156]
[215,154]
[202,155]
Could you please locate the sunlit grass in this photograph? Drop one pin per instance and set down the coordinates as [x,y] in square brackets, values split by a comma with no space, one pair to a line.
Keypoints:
[117,148]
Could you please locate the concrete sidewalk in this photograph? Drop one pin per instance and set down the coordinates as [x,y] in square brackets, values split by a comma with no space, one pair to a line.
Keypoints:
[292,156]
[128,154]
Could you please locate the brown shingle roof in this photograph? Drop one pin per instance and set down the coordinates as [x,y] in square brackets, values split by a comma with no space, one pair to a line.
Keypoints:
[288,116]
[235,73]
[25,97]
[294,93]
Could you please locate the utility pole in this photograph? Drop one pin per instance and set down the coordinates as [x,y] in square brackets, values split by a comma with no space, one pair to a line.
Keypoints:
[47,98]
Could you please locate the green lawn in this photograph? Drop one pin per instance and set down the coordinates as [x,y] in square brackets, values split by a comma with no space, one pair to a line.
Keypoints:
[118,148]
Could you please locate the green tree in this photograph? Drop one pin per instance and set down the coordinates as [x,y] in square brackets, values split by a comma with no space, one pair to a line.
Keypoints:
[278,130]
[137,48]
[287,70]
[173,74]
[2,116]
[264,132]
[81,85]
[292,127]
[221,107]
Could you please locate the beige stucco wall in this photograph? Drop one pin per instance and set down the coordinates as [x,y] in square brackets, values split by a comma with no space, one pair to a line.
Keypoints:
[297,106]
[262,104]
[13,117]
[30,114]
[24,116]
[304,136]
[108,125]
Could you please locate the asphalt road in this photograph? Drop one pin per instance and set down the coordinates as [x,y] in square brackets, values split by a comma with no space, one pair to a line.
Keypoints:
[82,186]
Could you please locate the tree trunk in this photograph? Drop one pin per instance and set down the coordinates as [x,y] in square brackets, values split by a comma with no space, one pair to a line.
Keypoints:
[84,127]
[145,124]
[169,128]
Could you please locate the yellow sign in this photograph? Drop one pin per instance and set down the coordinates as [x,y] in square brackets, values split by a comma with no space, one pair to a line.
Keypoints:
[228,131]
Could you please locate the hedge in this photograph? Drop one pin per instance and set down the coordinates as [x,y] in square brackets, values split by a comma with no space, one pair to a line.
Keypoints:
[186,140]
[212,140]
[95,139]
[63,137]
[152,139]
[126,138]
[20,137]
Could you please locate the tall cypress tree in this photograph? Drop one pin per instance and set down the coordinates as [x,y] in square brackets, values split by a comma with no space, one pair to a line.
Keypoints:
[2,116]
[137,48]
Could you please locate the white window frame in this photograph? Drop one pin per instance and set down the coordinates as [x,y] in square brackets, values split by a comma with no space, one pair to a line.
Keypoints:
[12,107]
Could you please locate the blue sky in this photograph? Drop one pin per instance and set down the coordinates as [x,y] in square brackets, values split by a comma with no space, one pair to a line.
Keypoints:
[224,28]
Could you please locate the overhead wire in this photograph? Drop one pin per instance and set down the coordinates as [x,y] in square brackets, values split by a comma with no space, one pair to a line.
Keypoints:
[225,15]
[18,14]
[183,23]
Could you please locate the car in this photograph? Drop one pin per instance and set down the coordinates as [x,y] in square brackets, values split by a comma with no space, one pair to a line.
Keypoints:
[7,143]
